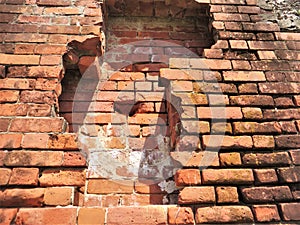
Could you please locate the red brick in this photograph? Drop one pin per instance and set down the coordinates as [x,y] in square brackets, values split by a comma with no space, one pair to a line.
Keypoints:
[227,195]
[219,113]
[110,186]
[227,176]
[286,36]
[11,83]
[22,197]
[266,194]
[237,26]
[290,211]
[148,215]
[202,159]
[14,110]
[5,175]
[147,119]
[282,114]
[289,175]
[287,141]
[231,17]
[35,140]
[224,214]
[279,88]
[91,216]
[230,159]
[24,176]
[266,213]
[220,44]
[265,176]
[9,96]
[64,177]
[266,45]
[73,159]
[284,102]
[187,177]
[58,196]
[54,3]
[19,59]
[252,100]
[33,158]
[7,215]
[250,76]
[213,53]
[43,125]
[24,48]
[46,216]
[4,124]
[10,141]
[227,142]
[180,216]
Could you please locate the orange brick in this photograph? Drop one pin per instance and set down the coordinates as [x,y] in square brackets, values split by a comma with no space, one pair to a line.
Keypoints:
[14,110]
[227,142]
[230,159]
[66,141]
[64,177]
[58,196]
[9,141]
[102,186]
[7,215]
[266,55]
[35,140]
[147,187]
[5,175]
[19,59]
[219,113]
[24,176]
[180,215]
[192,195]
[227,195]
[213,64]
[92,216]
[47,216]
[238,44]
[261,141]
[266,213]
[37,158]
[187,177]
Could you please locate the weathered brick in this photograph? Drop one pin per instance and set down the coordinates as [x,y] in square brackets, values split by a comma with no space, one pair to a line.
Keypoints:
[266,194]
[35,140]
[268,65]
[289,175]
[252,100]
[282,114]
[202,159]
[266,213]
[227,142]
[240,65]
[295,154]
[227,176]
[187,177]
[9,96]
[73,159]
[192,195]
[230,159]
[260,141]
[265,159]
[22,197]
[258,128]
[102,186]
[47,216]
[10,141]
[213,64]
[63,177]
[24,176]
[43,125]
[58,196]
[248,88]
[231,17]
[47,97]
[290,211]
[19,59]
[15,83]
[13,110]
[286,36]
[252,113]
[287,141]
[219,113]
[147,187]
[284,102]
[148,215]
[265,176]
[224,214]
[180,215]
[33,158]
[238,44]
[5,175]
[279,88]
[7,215]
[4,124]
[249,76]
[91,216]
[227,195]
[66,141]
[266,55]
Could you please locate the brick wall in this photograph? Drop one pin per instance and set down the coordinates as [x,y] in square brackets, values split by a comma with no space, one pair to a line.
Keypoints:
[233,113]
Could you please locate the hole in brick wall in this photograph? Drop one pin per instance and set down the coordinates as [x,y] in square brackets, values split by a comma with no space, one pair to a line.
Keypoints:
[183,22]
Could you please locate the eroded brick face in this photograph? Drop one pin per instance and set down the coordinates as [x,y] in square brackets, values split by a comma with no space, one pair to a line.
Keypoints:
[231,135]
